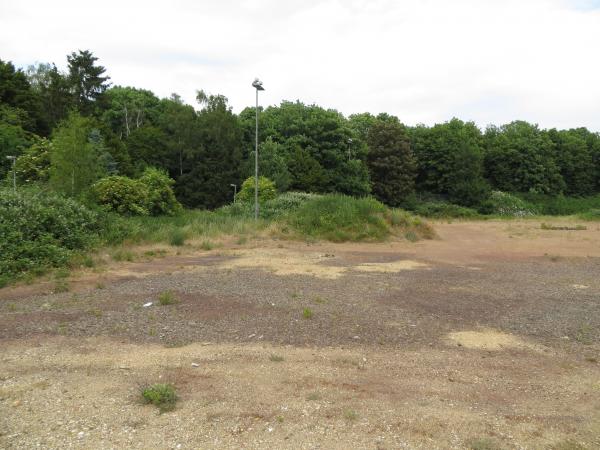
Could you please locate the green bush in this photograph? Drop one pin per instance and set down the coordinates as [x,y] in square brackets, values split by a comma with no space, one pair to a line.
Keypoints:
[161,199]
[592,214]
[266,190]
[562,206]
[271,209]
[505,204]
[341,218]
[122,195]
[443,210]
[151,194]
[42,230]
[162,395]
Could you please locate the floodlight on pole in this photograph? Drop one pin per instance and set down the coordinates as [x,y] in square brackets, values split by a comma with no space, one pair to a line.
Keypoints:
[257,84]
[14,160]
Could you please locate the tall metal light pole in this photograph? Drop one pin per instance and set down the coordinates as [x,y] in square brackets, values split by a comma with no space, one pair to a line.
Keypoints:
[14,160]
[259,87]
[234,186]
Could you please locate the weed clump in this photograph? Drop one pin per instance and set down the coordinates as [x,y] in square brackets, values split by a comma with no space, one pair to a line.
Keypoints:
[177,237]
[162,395]
[307,313]
[167,298]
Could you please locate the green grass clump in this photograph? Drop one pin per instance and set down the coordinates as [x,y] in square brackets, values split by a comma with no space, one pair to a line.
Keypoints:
[350,415]
[162,395]
[123,255]
[177,237]
[167,298]
[276,358]
[307,313]
[561,205]
[444,210]
[207,245]
[483,444]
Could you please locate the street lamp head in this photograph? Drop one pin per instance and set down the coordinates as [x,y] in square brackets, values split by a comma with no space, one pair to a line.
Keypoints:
[11,158]
[233,185]
[258,85]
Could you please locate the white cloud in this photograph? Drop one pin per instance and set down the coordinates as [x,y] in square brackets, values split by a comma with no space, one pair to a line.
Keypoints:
[423,60]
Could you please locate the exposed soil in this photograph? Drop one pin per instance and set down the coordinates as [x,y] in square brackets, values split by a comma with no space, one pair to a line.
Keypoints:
[488,335]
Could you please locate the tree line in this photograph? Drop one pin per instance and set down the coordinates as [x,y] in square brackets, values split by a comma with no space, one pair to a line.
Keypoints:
[70,129]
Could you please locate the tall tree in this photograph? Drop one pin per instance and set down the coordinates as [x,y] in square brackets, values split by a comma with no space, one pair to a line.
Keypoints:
[575,161]
[53,91]
[520,157]
[86,80]
[76,160]
[450,161]
[391,163]
[215,162]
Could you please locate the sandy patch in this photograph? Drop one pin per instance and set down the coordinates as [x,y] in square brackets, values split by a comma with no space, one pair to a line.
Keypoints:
[489,340]
[394,266]
[284,262]
[288,262]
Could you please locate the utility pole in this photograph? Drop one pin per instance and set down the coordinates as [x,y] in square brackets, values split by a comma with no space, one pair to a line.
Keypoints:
[257,84]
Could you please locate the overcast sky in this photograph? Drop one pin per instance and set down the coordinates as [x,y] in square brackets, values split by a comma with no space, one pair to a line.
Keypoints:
[491,61]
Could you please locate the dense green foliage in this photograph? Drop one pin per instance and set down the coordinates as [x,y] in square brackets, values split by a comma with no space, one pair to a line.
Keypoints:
[151,194]
[139,155]
[117,130]
[266,190]
[42,230]
[340,218]
[392,166]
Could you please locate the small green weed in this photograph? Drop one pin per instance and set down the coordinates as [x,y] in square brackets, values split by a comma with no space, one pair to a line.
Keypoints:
[242,240]
[280,419]
[167,298]
[123,255]
[61,286]
[162,395]
[483,444]
[584,334]
[207,245]
[313,396]
[100,285]
[350,415]
[411,236]
[177,237]
[276,358]
[307,313]
[61,274]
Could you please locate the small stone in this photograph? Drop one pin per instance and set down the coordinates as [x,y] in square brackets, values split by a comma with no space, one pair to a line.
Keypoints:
[356,337]
[145,305]
[195,365]
[16,403]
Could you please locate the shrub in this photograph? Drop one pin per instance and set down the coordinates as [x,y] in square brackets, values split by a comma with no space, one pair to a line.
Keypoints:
[443,210]
[161,199]
[505,204]
[162,395]
[42,230]
[167,298]
[270,209]
[177,237]
[561,205]
[592,214]
[151,194]
[341,218]
[266,190]
[123,195]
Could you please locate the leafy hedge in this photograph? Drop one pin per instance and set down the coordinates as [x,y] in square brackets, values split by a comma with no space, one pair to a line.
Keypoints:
[151,194]
[41,230]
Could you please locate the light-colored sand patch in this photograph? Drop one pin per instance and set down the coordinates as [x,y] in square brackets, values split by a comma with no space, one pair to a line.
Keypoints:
[284,262]
[579,286]
[288,262]
[490,340]
[394,266]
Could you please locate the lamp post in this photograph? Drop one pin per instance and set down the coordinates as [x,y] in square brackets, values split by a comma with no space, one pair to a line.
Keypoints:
[234,186]
[14,160]
[257,84]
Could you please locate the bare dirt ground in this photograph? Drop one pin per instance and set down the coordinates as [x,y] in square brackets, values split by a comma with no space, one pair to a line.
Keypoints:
[488,337]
